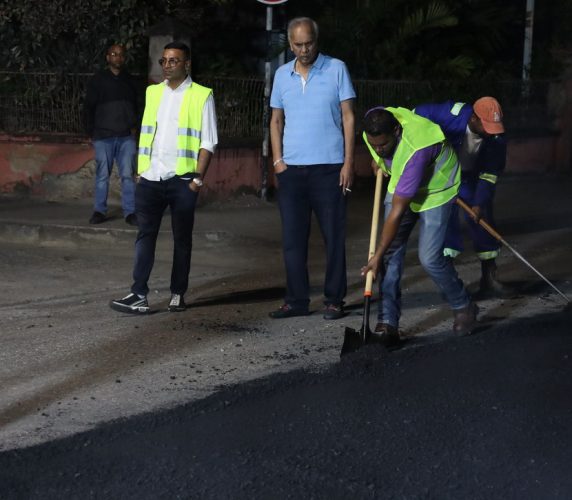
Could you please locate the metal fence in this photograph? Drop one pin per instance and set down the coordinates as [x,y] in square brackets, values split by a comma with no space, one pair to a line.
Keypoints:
[51,103]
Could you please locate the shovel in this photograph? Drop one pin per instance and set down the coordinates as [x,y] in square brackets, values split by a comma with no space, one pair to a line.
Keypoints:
[354,339]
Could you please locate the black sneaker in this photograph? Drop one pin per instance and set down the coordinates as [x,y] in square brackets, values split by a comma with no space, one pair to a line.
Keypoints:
[287,311]
[333,311]
[97,218]
[177,303]
[131,219]
[130,304]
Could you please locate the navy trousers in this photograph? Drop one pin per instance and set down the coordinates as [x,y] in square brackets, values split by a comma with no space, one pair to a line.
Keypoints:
[151,200]
[484,244]
[303,190]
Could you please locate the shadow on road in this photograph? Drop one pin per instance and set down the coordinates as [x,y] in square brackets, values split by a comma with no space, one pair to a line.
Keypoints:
[486,416]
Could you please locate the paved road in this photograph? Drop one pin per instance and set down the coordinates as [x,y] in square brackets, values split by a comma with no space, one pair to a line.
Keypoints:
[480,417]
[69,364]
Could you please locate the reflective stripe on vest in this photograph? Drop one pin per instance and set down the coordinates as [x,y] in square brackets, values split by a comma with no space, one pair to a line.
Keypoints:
[188,131]
[418,133]
[186,153]
[456,109]
[489,178]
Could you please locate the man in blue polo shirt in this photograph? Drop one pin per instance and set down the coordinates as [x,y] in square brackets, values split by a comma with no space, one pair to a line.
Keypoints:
[313,135]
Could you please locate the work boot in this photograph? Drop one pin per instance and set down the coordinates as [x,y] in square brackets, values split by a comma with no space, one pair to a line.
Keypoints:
[489,286]
[131,219]
[97,218]
[465,319]
[384,334]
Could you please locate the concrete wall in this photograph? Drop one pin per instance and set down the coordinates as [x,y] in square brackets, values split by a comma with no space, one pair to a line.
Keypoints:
[66,170]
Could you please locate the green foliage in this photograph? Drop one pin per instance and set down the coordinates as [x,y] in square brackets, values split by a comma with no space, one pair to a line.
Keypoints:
[73,35]
[378,39]
[415,39]
[69,35]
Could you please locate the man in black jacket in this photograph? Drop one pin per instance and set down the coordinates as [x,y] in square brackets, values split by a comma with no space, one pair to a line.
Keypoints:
[112,120]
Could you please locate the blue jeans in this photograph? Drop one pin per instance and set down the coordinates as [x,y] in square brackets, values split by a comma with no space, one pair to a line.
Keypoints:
[121,149]
[303,189]
[433,226]
[151,200]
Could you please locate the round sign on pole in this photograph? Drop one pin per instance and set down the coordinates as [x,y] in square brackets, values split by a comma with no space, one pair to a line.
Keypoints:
[272,2]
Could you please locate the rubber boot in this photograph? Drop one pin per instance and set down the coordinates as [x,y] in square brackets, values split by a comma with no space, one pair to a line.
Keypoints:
[489,286]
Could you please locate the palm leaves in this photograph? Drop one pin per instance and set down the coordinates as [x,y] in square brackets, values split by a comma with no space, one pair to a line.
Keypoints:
[417,39]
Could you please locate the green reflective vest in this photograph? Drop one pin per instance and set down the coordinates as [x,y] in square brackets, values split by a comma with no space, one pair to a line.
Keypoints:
[188,132]
[441,183]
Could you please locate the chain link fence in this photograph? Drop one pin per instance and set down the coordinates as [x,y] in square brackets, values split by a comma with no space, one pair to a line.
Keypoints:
[50,104]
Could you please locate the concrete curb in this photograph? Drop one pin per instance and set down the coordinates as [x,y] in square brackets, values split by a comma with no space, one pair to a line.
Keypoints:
[64,235]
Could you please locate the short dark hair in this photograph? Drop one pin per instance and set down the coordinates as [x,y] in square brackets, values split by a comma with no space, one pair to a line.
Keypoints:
[378,121]
[179,46]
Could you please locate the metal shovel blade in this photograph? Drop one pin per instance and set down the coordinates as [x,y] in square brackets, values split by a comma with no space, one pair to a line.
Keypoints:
[356,339]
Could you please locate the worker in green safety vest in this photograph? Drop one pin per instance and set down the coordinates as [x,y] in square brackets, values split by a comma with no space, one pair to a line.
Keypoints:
[424,181]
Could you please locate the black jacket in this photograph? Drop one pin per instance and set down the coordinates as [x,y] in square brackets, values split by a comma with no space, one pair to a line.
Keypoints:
[111,105]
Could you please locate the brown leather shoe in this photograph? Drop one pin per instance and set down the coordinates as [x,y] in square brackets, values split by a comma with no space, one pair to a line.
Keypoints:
[465,319]
[385,334]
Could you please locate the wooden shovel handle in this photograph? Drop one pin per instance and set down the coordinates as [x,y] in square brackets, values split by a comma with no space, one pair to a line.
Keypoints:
[374,227]
[482,222]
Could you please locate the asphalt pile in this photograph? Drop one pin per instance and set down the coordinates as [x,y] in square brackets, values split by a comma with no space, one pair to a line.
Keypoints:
[486,416]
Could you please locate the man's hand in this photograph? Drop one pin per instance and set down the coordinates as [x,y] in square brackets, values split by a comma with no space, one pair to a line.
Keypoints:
[346,177]
[280,167]
[196,186]
[372,265]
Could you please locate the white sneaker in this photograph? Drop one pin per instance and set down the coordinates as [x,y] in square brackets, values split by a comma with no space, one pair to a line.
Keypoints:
[177,303]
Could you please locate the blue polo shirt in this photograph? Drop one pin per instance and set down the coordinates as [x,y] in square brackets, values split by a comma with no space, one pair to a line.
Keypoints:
[313,131]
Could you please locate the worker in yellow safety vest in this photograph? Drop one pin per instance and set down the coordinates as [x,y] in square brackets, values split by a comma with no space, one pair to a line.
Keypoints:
[424,181]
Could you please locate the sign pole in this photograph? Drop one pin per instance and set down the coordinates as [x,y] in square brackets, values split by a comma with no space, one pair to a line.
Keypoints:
[267,85]
[266,109]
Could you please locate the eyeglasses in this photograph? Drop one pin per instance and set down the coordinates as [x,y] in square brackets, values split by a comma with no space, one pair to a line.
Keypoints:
[169,62]
[117,54]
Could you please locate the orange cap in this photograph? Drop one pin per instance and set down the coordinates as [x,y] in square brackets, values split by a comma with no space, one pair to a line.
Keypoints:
[489,111]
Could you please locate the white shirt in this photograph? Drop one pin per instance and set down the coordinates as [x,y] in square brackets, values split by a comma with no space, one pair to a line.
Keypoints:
[469,149]
[164,148]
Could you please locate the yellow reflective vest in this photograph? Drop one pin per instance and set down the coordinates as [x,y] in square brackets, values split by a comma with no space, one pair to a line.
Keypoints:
[188,132]
[442,182]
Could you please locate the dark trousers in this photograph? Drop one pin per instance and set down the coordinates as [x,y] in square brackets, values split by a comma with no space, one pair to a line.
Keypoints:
[303,189]
[483,242]
[151,200]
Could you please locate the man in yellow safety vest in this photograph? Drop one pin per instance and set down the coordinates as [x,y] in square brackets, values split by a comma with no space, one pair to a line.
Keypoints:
[425,178]
[178,138]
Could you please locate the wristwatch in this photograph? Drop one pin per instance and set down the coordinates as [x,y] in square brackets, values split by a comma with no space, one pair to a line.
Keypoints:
[198,181]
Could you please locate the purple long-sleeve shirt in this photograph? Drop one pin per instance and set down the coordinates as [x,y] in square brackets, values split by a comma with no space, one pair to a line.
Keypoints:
[414,170]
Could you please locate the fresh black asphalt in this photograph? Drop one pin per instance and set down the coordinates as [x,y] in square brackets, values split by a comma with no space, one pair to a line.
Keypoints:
[486,416]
